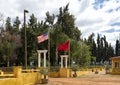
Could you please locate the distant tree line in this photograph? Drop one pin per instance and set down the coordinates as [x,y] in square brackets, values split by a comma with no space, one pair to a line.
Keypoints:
[101,50]
[62,28]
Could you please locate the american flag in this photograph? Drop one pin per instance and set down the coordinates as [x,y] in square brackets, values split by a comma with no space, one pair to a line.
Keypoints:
[43,37]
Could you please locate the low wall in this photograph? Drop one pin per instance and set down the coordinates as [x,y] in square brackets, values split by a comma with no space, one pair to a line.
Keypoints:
[79,73]
[19,78]
[68,73]
[54,74]
[25,79]
[115,73]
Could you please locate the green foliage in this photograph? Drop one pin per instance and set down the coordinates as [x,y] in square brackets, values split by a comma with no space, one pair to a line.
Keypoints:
[50,18]
[75,67]
[60,31]
[16,25]
[93,59]
[85,58]
[101,50]
[117,48]
[107,69]
[62,28]
[44,71]
[8,24]
[67,22]
[9,45]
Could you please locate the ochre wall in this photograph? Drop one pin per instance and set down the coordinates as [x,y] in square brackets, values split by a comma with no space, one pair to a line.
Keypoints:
[25,79]
[115,70]
[31,78]
[54,74]
[20,78]
[64,72]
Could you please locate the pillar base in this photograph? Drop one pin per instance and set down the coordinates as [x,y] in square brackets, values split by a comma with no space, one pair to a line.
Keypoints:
[64,72]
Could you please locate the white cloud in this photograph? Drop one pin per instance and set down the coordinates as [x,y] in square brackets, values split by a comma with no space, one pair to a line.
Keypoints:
[87,18]
[97,21]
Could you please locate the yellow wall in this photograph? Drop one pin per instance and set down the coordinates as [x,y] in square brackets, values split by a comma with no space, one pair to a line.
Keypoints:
[31,78]
[115,70]
[64,72]
[54,74]
[25,79]
[21,78]
[79,73]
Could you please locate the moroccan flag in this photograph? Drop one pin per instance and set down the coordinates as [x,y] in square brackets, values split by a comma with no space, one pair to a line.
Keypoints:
[43,37]
[64,46]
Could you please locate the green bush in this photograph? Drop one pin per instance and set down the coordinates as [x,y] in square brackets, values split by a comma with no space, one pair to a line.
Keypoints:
[44,71]
[75,68]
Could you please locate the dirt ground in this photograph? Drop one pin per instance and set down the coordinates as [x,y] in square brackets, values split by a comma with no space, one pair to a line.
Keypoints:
[90,79]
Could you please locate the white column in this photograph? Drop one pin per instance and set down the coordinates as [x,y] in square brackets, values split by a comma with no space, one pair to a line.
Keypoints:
[39,59]
[45,59]
[65,62]
[61,62]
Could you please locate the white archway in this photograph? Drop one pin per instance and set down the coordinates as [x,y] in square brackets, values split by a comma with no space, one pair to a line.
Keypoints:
[39,57]
[66,59]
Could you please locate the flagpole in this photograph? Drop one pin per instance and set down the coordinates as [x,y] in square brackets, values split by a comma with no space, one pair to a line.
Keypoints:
[56,56]
[69,55]
[49,48]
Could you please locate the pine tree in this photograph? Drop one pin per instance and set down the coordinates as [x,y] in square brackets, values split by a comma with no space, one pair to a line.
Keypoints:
[117,48]
[8,24]
[16,25]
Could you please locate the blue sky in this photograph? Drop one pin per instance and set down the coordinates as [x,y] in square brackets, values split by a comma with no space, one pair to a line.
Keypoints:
[92,16]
